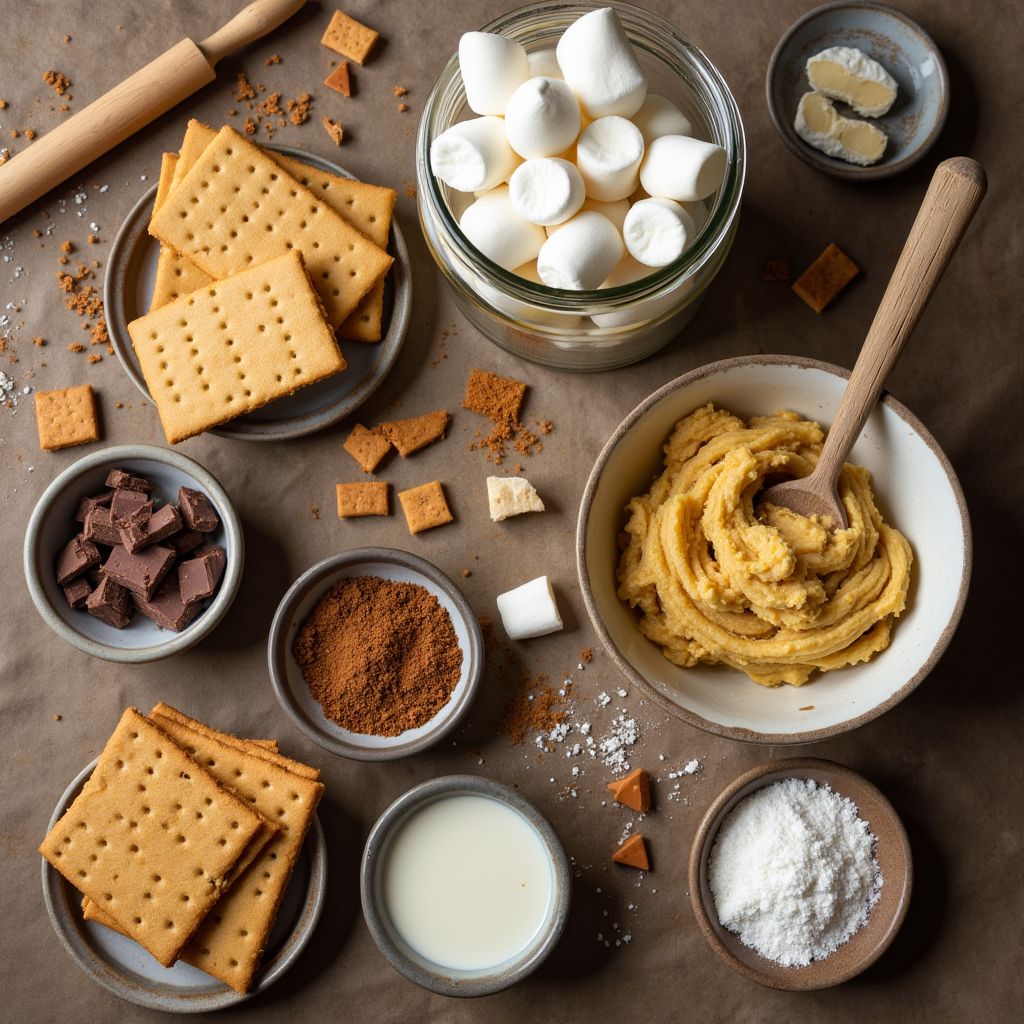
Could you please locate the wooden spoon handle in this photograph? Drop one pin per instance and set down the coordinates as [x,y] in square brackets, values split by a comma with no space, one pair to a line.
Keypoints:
[953,197]
[253,23]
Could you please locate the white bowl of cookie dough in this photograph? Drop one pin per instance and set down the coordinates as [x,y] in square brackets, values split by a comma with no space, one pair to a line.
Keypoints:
[915,489]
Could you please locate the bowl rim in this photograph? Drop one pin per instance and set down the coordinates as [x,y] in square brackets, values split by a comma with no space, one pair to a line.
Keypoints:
[293,598]
[805,152]
[691,717]
[192,633]
[471,983]
[707,832]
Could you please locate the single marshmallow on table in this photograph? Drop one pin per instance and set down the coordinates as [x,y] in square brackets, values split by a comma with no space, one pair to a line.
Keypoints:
[582,254]
[681,168]
[494,227]
[609,154]
[493,67]
[658,231]
[474,156]
[547,190]
[544,64]
[600,67]
[529,610]
[542,118]
[615,212]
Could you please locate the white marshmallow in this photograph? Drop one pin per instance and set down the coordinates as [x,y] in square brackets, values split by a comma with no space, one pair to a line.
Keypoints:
[628,272]
[608,154]
[582,254]
[459,202]
[529,610]
[678,167]
[658,231]
[658,116]
[494,227]
[547,191]
[544,64]
[615,212]
[698,212]
[525,311]
[600,67]
[493,67]
[474,156]
[542,118]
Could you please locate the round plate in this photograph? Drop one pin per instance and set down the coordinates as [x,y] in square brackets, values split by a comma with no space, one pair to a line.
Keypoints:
[901,46]
[125,969]
[128,290]
[291,688]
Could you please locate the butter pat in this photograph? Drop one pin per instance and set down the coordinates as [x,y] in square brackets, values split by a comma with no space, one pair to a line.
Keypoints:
[820,125]
[848,74]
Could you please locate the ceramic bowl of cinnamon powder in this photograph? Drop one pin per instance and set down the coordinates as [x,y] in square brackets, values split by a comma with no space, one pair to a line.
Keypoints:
[375,654]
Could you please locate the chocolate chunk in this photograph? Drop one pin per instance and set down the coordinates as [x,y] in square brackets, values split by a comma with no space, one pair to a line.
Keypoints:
[124,503]
[197,511]
[167,609]
[184,541]
[126,482]
[132,528]
[78,592]
[79,555]
[109,603]
[100,528]
[199,576]
[162,524]
[87,504]
[94,576]
[141,572]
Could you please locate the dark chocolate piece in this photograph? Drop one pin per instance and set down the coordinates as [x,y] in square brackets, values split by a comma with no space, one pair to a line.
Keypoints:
[133,527]
[109,603]
[162,524]
[77,592]
[199,576]
[124,503]
[87,504]
[99,527]
[197,511]
[167,609]
[126,482]
[79,555]
[184,541]
[141,572]
[94,576]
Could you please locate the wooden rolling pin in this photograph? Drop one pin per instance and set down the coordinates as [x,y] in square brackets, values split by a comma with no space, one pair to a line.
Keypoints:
[129,106]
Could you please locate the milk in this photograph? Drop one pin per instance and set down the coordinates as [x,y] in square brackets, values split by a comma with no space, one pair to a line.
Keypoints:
[468,882]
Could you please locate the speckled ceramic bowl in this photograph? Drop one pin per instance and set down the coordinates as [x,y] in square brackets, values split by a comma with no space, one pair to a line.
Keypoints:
[901,46]
[892,852]
[443,980]
[52,524]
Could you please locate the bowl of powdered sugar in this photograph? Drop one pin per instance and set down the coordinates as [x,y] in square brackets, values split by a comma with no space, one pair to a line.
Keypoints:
[800,874]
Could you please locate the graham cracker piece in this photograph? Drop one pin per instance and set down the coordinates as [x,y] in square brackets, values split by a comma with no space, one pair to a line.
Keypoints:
[338,79]
[633,791]
[236,208]
[230,348]
[825,278]
[151,837]
[66,417]
[366,447]
[349,37]
[369,498]
[511,496]
[197,137]
[498,398]
[411,435]
[168,162]
[633,853]
[425,507]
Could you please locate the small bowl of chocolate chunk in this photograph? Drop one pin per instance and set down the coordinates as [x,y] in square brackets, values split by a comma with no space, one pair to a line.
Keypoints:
[133,553]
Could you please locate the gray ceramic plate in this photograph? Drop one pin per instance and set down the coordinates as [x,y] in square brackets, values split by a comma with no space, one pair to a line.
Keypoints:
[291,689]
[128,290]
[125,969]
[901,46]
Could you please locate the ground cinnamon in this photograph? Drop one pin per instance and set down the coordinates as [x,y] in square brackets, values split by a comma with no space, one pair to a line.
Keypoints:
[379,656]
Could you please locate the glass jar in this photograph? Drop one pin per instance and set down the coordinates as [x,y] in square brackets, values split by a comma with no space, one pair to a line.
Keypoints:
[609,327]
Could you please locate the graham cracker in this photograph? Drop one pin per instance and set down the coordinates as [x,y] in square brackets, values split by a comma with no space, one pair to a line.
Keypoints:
[168,162]
[425,507]
[411,435]
[339,80]
[236,208]
[366,447]
[825,278]
[230,348]
[363,499]
[151,837]
[66,417]
[496,397]
[349,37]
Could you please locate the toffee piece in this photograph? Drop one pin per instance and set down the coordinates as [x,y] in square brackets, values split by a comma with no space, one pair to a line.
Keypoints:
[79,555]
[141,573]
[197,511]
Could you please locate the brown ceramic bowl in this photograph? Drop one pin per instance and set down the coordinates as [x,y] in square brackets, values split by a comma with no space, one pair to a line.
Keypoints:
[892,853]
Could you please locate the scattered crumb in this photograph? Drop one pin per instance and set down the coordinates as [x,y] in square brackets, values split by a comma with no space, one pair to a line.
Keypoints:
[250,126]
[401,90]
[300,108]
[546,426]
[465,572]
[95,358]
[245,90]
[59,82]
[62,259]
[92,239]
[231,113]
[314,511]
[29,134]
[334,129]
[272,59]
[586,654]
[64,108]
[75,347]
[270,105]
[119,405]
[3,104]
[56,718]
[403,107]
[66,247]
[67,39]
[37,233]
[14,133]
[777,270]
[410,191]
[38,341]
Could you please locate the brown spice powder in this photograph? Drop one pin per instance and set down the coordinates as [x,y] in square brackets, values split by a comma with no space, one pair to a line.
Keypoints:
[379,656]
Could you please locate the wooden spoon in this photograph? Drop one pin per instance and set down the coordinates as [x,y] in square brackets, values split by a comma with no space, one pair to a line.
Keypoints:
[955,192]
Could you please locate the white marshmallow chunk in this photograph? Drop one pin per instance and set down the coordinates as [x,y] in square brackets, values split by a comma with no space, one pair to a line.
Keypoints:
[658,231]
[600,67]
[493,67]
[494,227]
[615,212]
[511,496]
[658,116]
[529,610]
[547,190]
[474,156]
[608,154]
[544,64]
[698,212]
[542,118]
[582,254]
[684,169]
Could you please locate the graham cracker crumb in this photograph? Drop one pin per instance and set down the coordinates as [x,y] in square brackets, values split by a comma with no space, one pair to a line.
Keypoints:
[29,134]
[335,129]
[272,59]
[586,654]
[401,90]
[300,108]
[38,341]
[465,572]
[3,104]
[314,511]
[94,358]
[66,247]
[410,191]
[75,347]
[403,107]
[59,82]
[270,105]
[776,270]
[250,126]
[245,90]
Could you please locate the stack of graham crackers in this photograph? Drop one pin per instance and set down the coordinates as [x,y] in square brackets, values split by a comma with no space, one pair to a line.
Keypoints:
[184,839]
[263,260]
